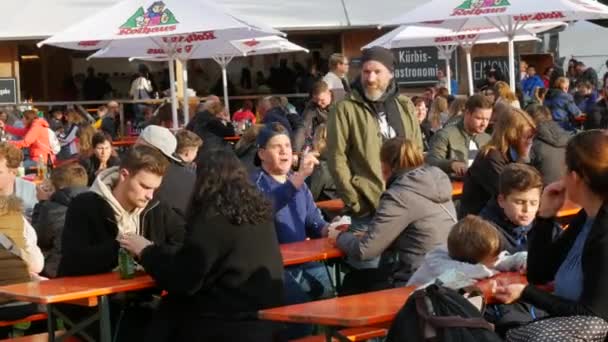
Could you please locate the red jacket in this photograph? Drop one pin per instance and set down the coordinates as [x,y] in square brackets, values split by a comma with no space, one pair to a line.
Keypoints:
[35,137]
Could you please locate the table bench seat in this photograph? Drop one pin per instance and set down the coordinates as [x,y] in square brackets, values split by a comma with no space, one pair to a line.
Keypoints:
[352,334]
[44,337]
[31,318]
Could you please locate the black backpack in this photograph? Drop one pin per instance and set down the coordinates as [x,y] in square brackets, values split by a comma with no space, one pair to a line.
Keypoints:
[440,314]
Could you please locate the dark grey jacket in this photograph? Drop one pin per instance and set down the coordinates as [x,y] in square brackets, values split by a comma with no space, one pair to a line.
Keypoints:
[48,221]
[549,150]
[415,215]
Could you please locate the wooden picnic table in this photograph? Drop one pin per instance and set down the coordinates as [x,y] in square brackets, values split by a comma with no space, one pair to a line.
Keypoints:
[125,141]
[337,205]
[86,290]
[310,250]
[362,310]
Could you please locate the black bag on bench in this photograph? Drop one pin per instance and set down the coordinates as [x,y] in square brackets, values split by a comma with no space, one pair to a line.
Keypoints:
[440,314]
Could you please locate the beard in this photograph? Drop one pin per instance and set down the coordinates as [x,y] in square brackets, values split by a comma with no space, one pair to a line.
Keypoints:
[374,92]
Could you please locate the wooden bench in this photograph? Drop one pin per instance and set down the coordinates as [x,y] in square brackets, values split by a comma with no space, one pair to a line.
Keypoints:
[352,334]
[44,337]
[31,318]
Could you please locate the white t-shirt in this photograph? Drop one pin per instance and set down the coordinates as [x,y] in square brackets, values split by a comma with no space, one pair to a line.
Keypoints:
[473,150]
[333,81]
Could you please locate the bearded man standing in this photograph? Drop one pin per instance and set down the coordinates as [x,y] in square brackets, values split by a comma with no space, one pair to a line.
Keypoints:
[358,126]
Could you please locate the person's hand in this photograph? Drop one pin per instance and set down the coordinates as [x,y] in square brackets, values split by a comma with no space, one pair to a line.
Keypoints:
[332,234]
[308,162]
[459,168]
[133,243]
[552,199]
[44,191]
[508,294]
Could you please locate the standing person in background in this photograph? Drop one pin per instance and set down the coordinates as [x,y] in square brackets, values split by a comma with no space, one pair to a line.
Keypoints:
[322,185]
[10,159]
[336,77]
[358,126]
[109,121]
[187,148]
[141,89]
[531,82]
[68,140]
[317,109]
[35,138]
[456,111]
[586,73]
[56,122]
[547,77]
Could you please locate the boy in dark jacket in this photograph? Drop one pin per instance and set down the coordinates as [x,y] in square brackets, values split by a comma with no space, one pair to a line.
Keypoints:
[515,207]
[119,202]
[69,181]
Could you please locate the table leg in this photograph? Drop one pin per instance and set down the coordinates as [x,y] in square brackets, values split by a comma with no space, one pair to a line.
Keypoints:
[105,328]
[50,322]
[338,274]
[333,283]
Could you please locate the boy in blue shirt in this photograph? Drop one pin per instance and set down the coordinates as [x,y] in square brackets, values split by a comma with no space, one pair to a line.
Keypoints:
[296,216]
[531,82]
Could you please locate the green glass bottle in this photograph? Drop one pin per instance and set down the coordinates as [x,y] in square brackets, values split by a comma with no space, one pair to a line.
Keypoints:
[126,264]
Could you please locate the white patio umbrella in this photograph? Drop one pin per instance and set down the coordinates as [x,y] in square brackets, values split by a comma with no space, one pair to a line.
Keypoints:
[221,52]
[172,26]
[508,16]
[447,41]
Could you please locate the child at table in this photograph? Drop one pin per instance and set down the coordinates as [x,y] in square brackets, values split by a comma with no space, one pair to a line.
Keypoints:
[296,217]
[472,253]
[188,144]
[513,211]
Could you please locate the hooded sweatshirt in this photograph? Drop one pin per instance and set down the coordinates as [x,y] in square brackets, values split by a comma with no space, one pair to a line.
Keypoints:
[414,216]
[513,238]
[127,222]
[457,274]
[549,150]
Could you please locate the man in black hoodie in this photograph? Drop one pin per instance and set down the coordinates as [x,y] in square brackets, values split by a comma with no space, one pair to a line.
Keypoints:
[178,182]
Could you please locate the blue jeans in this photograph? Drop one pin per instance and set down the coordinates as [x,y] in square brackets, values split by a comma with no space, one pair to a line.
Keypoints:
[307,281]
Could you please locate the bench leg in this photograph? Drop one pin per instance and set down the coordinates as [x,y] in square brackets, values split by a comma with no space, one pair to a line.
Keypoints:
[50,323]
[76,328]
[104,320]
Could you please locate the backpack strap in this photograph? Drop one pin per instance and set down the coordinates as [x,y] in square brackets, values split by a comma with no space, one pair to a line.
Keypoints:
[424,308]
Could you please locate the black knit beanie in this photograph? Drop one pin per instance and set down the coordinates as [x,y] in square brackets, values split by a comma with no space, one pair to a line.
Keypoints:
[381,55]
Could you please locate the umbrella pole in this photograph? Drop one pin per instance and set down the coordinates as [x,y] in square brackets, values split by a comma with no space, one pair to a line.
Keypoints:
[511,63]
[172,91]
[225,84]
[185,87]
[468,49]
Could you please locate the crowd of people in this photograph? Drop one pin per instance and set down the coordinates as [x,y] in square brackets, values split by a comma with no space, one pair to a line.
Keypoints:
[205,218]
